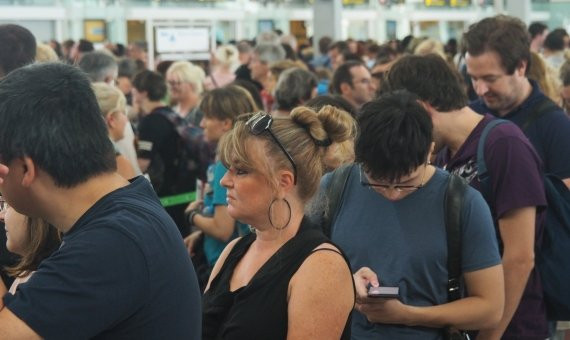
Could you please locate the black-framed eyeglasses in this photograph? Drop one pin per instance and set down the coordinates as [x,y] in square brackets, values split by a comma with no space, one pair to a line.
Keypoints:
[399,188]
[260,123]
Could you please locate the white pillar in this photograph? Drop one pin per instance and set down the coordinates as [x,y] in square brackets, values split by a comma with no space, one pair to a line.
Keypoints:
[326,20]
[443,31]
[149,26]
[520,9]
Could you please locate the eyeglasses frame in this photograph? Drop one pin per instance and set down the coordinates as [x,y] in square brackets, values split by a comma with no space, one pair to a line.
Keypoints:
[397,187]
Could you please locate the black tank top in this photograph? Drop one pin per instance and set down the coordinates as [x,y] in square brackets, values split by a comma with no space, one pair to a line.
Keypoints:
[259,309]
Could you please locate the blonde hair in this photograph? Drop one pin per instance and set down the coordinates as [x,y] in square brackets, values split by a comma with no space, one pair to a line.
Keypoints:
[545,76]
[227,55]
[188,73]
[45,54]
[109,98]
[299,134]
[430,46]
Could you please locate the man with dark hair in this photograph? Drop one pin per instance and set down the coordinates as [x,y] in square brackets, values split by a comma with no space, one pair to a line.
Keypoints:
[390,221]
[66,50]
[18,48]
[336,53]
[122,270]
[322,58]
[353,82]
[497,59]
[554,46]
[517,198]
[538,32]
[138,51]
[160,146]
[80,48]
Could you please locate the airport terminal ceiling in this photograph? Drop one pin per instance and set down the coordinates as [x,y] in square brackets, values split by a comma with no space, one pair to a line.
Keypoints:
[125,21]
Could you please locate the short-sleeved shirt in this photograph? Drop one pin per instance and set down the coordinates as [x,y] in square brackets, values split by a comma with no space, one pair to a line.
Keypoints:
[159,142]
[516,182]
[550,134]
[216,195]
[404,242]
[122,272]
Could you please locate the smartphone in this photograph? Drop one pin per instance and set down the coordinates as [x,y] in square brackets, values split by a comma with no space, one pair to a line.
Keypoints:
[384,292]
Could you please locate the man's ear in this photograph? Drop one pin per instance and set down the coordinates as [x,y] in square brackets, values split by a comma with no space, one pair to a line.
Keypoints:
[29,171]
[521,68]
[345,88]
[430,110]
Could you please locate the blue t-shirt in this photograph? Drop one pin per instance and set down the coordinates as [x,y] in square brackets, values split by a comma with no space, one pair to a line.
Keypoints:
[122,272]
[216,195]
[404,243]
[550,134]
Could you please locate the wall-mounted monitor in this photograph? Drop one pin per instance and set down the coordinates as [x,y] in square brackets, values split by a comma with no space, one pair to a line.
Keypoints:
[184,40]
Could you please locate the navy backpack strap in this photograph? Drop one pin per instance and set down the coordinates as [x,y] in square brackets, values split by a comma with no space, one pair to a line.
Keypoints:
[482,172]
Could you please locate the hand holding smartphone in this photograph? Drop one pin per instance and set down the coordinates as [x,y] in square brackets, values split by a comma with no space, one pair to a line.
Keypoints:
[384,292]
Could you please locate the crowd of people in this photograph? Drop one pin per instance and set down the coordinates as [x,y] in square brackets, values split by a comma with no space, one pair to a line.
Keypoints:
[277,192]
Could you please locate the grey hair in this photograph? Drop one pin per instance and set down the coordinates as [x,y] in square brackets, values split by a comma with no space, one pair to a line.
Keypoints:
[294,87]
[270,53]
[268,37]
[98,66]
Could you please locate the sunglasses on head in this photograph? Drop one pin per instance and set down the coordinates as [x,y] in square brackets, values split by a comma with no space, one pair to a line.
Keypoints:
[260,123]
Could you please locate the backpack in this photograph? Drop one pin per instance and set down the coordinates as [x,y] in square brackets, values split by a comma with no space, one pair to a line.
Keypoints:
[553,259]
[192,159]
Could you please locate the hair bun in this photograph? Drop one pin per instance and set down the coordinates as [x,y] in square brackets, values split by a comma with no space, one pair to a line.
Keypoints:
[328,125]
[309,120]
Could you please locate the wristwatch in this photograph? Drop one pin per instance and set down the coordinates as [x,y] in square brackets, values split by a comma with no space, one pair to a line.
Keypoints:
[190,215]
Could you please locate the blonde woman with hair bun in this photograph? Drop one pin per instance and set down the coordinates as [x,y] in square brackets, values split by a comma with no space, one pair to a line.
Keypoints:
[287,279]
[113,106]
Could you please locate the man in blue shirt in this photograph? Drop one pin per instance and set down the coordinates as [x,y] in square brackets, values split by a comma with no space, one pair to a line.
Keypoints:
[122,270]
[391,224]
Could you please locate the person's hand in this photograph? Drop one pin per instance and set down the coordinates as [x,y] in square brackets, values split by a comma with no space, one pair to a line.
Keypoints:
[197,204]
[3,172]
[190,241]
[363,278]
[377,310]
[386,311]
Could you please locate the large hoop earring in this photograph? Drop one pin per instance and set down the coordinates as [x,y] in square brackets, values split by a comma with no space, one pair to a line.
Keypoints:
[269,213]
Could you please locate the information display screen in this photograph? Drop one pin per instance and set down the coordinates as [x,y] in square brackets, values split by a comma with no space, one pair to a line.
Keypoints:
[183,39]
